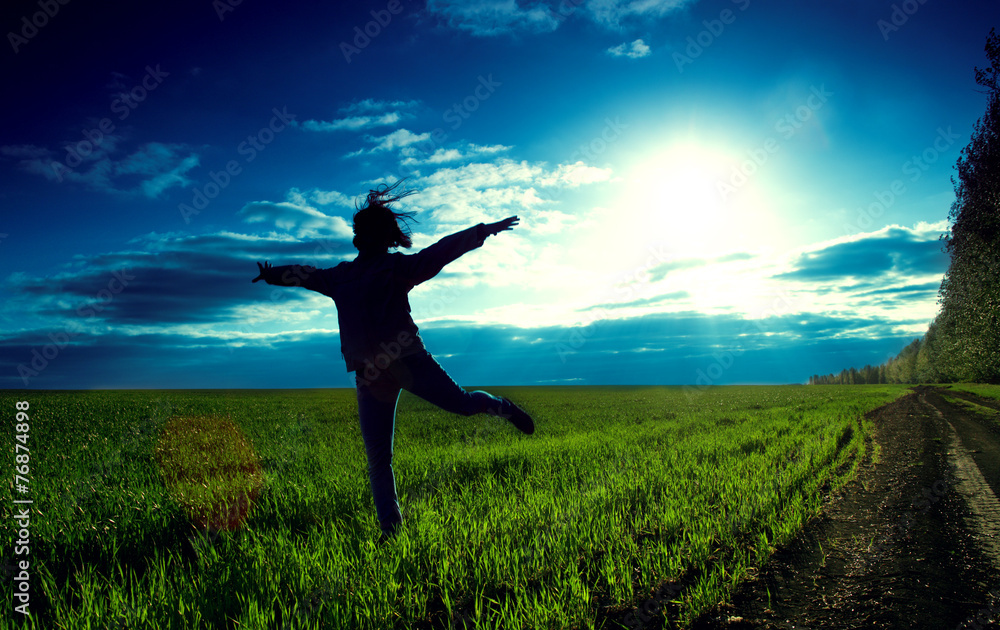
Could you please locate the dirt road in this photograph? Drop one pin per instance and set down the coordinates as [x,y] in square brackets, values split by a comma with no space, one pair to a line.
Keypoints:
[912,542]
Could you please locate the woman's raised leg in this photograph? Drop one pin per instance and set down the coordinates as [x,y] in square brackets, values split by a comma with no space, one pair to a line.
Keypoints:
[422,375]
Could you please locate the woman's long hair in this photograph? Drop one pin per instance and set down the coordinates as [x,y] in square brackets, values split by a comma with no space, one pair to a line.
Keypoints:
[377,226]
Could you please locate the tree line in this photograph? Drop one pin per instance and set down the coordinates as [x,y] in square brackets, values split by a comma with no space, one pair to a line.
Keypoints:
[963,341]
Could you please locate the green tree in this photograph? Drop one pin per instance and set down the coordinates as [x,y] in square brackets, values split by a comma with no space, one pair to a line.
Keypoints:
[970,291]
[926,370]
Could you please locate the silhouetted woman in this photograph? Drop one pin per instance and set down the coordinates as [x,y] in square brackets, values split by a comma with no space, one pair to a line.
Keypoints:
[378,338]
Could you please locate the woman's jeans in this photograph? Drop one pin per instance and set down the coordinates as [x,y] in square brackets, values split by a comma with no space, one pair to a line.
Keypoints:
[418,374]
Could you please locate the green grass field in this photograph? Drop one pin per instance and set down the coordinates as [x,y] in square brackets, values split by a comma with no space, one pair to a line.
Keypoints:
[252,509]
[980,389]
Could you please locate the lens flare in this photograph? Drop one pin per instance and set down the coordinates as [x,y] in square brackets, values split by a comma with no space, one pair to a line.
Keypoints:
[211,470]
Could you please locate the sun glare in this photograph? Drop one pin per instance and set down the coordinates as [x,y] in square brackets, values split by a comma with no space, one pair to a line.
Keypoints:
[680,199]
[672,204]
[672,194]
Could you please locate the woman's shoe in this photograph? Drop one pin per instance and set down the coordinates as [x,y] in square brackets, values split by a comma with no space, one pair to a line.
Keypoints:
[518,417]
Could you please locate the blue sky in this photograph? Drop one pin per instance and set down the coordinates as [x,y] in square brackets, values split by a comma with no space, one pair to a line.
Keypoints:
[710,191]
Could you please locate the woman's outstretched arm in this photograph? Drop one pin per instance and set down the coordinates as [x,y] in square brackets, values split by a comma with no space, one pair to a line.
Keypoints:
[426,263]
[295,276]
[265,270]
[505,224]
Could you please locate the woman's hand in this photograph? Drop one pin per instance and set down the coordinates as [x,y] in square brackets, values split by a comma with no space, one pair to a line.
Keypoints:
[500,226]
[263,270]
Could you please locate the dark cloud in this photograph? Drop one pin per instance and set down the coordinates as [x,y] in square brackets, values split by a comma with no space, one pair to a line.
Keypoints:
[148,170]
[734,257]
[658,272]
[668,349]
[167,361]
[173,278]
[180,278]
[898,250]
[909,291]
[674,295]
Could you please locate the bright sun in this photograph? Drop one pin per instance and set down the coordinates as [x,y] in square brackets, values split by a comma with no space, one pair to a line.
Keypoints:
[672,206]
[677,198]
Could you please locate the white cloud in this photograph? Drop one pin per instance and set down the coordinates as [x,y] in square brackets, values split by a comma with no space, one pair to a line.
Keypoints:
[483,175]
[352,123]
[485,149]
[575,174]
[364,114]
[442,155]
[331,197]
[460,196]
[372,105]
[635,50]
[612,13]
[297,217]
[439,156]
[486,18]
[163,165]
[168,179]
[158,166]
[495,17]
[24,151]
[515,180]
[399,139]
